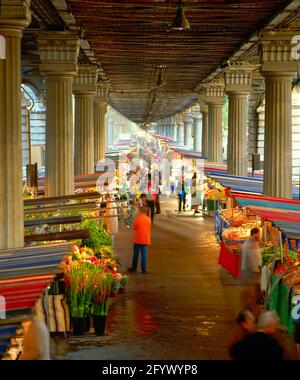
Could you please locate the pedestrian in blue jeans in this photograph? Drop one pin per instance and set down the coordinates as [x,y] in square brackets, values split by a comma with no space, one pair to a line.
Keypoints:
[141,239]
[137,248]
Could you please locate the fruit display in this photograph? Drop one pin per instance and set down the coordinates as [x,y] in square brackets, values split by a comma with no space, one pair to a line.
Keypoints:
[237,217]
[236,234]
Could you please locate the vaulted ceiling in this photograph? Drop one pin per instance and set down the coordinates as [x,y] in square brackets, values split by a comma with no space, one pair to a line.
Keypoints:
[134,45]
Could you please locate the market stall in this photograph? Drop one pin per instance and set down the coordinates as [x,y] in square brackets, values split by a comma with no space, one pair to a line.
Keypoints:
[25,275]
[233,227]
[281,253]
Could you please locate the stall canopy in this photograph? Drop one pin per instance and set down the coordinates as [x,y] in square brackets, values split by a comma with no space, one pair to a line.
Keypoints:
[284,213]
[24,275]
[249,185]
[238,184]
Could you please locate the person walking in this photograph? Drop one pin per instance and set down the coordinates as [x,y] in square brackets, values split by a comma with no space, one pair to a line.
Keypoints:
[150,197]
[141,239]
[263,344]
[195,198]
[181,195]
[245,325]
[158,192]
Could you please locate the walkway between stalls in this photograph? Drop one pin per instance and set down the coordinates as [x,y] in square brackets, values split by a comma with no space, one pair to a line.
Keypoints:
[184,308]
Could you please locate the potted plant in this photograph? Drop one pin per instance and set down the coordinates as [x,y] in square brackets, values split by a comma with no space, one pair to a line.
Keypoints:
[116,283]
[80,279]
[123,283]
[102,289]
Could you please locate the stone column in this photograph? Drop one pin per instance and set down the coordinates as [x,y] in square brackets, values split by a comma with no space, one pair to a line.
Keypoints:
[117,130]
[180,129]
[238,80]
[188,123]
[158,128]
[197,128]
[257,95]
[167,128]
[58,55]
[279,69]
[175,132]
[100,108]
[84,89]
[110,131]
[174,129]
[204,113]
[13,19]
[215,101]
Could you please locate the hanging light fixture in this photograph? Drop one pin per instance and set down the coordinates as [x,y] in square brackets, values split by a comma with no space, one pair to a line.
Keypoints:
[180,22]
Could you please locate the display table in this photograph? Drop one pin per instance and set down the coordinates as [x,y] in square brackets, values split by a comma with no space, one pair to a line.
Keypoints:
[221,223]
[230,261]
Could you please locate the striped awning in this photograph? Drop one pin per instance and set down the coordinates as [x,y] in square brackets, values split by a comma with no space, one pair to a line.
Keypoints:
[24,275]
[284,213]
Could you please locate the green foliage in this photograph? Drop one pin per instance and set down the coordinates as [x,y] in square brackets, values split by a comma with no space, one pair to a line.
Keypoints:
[105,237]
[80,279]
[124,281]
[101,309]
[98,235]
[105,251]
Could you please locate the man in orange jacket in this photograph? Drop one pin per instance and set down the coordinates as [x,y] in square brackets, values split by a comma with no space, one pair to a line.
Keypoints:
[141,239]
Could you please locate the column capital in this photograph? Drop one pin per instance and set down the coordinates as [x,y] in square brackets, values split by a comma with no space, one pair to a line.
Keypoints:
[179,119]
[215,91]
[238,77]
[58,53]
[14,15]
[102,90]
[101,105]
[275,52]
[202,94]
[187,116]
[86,80]
[196,114]
[204,108]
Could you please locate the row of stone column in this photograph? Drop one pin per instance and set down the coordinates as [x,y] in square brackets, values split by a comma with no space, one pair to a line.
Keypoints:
[58,56]
[278,68]
[184,128]
[86,144]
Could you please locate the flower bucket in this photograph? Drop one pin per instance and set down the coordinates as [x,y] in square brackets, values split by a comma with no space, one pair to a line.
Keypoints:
[115,286]
[99,324]
[79,324]
[87,324]
[122,290]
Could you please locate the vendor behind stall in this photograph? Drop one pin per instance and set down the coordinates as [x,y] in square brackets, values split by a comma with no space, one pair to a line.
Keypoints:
[251,258]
